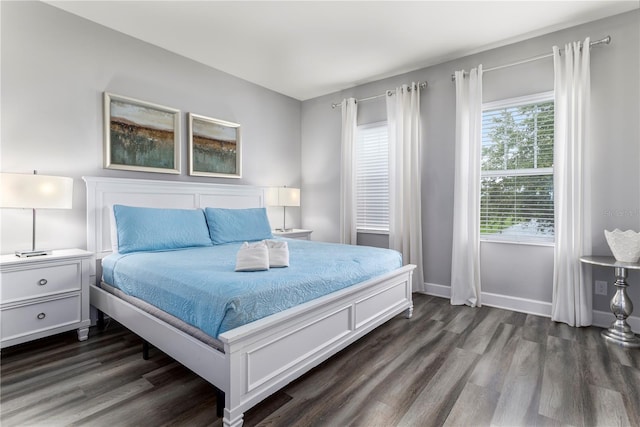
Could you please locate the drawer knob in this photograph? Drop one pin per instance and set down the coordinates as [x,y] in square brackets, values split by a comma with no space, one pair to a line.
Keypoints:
[41,316]
[42,282]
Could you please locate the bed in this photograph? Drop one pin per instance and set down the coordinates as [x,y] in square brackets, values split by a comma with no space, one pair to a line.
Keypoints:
[252,361]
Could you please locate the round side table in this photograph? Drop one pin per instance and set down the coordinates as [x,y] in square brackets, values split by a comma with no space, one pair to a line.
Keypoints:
[621,306]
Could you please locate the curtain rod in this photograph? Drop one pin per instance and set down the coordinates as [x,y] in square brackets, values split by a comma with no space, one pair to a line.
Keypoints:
[605,40]
[390,92]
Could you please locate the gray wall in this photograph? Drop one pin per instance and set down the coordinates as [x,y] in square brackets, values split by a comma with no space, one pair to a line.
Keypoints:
[55,67]
[509,270]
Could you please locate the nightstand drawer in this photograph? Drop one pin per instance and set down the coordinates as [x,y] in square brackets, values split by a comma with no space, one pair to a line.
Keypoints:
[32,318]
[35,282]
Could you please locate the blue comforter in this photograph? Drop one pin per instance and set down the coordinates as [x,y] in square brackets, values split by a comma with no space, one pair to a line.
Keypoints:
[200,286]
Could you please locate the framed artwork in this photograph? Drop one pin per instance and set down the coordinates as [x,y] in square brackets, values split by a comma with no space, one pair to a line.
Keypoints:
[140,136]
[214,147]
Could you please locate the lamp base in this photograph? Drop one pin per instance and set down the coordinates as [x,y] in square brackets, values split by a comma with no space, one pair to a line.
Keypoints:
[28,254]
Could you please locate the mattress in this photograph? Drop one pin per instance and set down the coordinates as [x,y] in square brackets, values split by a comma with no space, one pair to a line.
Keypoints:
[165,317]
[200,287]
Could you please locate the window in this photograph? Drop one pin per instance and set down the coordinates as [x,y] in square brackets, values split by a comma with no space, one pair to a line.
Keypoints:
[372,178]
[516,197]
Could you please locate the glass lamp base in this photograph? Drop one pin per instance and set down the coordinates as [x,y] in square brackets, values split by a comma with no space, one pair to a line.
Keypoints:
[28,254]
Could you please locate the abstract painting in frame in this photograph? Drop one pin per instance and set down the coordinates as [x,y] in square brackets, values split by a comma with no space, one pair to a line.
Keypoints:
[214,147]
[140,136]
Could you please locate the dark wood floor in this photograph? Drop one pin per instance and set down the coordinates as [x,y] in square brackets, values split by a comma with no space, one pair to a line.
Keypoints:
[454,366]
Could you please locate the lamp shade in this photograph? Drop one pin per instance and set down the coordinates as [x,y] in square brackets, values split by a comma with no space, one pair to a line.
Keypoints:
[35,191]
[283,196]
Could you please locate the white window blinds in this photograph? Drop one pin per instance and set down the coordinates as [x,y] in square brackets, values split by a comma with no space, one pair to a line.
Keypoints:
[516,199]
[372,178]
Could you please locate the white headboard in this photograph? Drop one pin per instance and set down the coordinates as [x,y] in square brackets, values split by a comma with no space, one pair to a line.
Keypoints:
[103,192]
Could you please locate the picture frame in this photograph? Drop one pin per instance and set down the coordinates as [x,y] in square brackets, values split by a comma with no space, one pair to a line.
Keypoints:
[215,147]
[140,136]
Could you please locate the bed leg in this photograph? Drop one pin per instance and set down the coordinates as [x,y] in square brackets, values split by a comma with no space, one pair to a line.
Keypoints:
[219,403]
[100,321]
[145,350]
[408,312]
[227,421]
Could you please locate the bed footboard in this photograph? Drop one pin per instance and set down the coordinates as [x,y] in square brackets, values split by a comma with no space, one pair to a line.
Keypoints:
[266,355]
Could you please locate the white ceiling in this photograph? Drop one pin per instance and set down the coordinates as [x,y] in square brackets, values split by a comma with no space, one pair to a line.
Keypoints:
[305,49]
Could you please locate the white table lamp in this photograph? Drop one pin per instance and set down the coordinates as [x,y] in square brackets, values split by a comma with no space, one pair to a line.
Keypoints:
[24,191]
[283,196]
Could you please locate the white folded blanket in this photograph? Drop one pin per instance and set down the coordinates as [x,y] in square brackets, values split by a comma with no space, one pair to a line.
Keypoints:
[253,257]
[278,253]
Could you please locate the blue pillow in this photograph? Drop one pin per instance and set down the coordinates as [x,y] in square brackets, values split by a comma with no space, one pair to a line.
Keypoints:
[238,225]
[152,229]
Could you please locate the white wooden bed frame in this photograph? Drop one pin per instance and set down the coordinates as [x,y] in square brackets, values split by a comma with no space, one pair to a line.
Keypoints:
[261,357]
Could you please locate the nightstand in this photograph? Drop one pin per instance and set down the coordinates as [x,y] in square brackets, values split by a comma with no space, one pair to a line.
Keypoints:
[44,295]
[294,233]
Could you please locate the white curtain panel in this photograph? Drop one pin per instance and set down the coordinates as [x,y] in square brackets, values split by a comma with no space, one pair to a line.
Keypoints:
[571,301]
[348,230]
[405,174]
[465,262]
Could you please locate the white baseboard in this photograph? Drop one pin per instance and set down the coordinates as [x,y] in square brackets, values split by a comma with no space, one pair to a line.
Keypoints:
[523,305]
[437,290]
[602,319]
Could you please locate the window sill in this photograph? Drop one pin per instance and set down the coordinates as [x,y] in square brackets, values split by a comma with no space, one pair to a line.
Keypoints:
[515,242]
[365,231]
